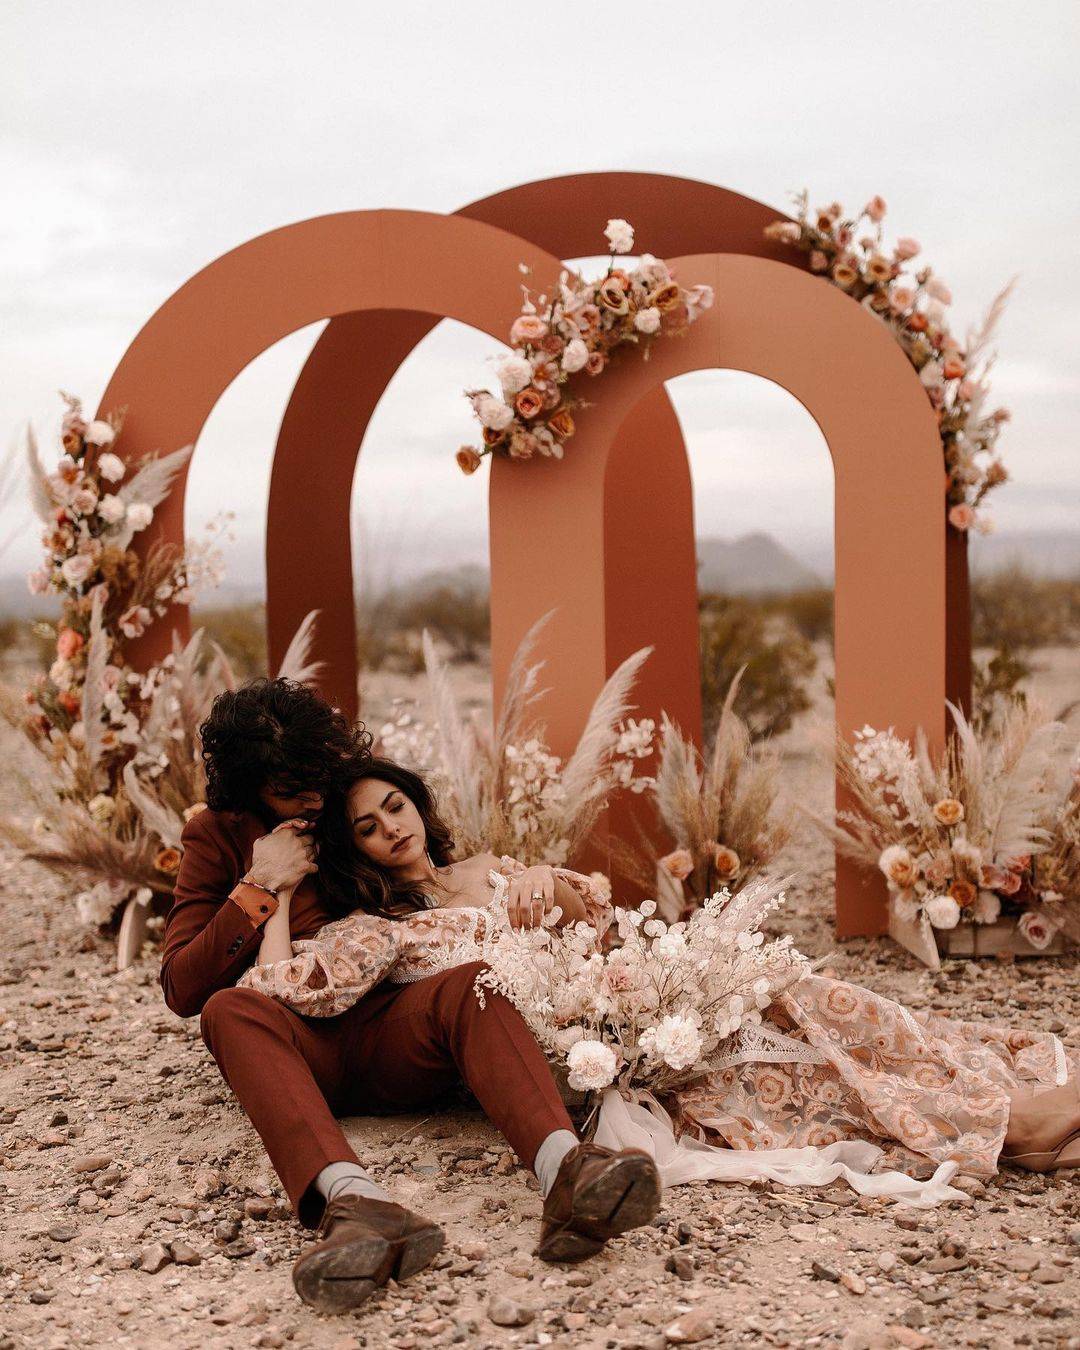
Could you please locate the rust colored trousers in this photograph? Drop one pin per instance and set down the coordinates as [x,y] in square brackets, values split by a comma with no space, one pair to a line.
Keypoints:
[400,1048]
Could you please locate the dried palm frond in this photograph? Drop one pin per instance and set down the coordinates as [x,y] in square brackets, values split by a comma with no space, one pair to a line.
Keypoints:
[97,658]
[151,484]
[583,775]
[461,761]
[40,496]
[981,335]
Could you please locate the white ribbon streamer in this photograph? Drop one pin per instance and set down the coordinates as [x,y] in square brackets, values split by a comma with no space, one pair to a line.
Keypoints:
[641,1122]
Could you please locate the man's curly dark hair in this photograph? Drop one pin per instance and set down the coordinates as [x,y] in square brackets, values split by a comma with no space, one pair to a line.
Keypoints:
[280,734]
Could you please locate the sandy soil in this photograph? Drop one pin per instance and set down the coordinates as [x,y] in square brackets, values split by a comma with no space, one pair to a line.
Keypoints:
[140,1210]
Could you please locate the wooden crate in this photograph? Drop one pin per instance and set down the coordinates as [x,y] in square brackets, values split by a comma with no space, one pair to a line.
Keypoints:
[991,939]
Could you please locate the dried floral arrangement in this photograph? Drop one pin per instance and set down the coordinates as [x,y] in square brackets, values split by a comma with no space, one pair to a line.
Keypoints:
[720,809]
[850,252]
[575,329]
[502,790]
[986,831]
[664,1006]
[108,759]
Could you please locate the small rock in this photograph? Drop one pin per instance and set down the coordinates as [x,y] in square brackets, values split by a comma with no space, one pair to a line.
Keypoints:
[474,1251]
[255,1207]
[946,1265]
[690,1327]
[823,1272]
[154,1258]
[908,1337]
[1048,1275]
[507,1312]
[236,1251]
[681,1264]
[854,1284]
[886,1261]
[184,1255]
[62,1233]
[90,1162]
[520,1267]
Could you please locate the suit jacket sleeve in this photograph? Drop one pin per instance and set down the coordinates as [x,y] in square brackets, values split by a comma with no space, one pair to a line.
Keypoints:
[209,940]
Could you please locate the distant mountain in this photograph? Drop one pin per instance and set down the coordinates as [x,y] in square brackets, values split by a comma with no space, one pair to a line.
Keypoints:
[755,564]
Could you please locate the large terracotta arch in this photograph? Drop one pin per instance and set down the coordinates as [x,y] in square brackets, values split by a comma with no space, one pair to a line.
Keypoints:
[194,346]
[847,371]
[355,358]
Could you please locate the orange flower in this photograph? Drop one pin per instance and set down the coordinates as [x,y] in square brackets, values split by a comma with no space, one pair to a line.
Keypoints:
[71,703]
[844,274]
[948,811]
[168,860]
[678,864]
[529,402]
[492,437]
[918,321]
[468,461]
[878,268]
[69,643]
[527,328]
[725,861]
[561,424]
[963,892]
[954,368]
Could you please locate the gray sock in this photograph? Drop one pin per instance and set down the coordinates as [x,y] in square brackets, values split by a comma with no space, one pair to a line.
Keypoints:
[347,1178]
[550,1154]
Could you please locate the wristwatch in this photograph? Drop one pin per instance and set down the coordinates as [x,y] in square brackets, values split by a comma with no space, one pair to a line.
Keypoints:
[257,901]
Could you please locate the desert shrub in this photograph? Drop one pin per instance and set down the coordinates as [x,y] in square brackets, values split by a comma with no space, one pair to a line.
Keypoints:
[810,612]
[240,632]
[736,632]
[461,618]
[1014,611]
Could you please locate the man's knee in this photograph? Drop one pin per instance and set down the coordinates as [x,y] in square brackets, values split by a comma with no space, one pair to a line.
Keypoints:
[230,1008]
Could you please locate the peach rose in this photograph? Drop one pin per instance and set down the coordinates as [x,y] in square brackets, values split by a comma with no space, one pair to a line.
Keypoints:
[678,864]
[596,363]
[587,318]
[561,424]
[954,367]
[961,516]
[527,328]
[899,866]
[468,461]
[907,248]
[1036,929]
[725,861]
[875,209]
[1010,883]
[168,860]
[844,274]
[1020,863]
[963,892]
[69,644]
[819,262]
[529,402]
[918,322]
[948,811]
[878,267]
[613,297]
[665,297]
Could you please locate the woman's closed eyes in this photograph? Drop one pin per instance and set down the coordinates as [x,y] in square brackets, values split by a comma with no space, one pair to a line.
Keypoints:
[369,828]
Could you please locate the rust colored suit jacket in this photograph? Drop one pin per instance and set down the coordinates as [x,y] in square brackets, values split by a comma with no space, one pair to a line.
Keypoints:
[209,940]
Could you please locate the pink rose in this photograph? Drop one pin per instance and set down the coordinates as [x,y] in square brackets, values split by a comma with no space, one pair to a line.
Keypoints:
[961,516]
[1036,929]
[907,248]
[678,864]
[69,644]
[527,328]
[819,262]
[875,209]
[1009,884]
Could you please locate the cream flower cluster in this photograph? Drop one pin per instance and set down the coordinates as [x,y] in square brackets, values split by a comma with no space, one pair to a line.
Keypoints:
[652,1010]
[850,252]
[575,330]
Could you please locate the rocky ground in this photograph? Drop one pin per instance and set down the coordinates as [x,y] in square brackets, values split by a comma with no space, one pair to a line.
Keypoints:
[139,1208]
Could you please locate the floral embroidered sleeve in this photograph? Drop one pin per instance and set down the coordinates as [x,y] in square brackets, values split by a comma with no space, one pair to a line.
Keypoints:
[597,905]
[430,936]
[332,971]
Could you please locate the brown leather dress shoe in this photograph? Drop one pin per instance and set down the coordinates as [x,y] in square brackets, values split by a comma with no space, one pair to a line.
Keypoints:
[598,1194]
[365,1242]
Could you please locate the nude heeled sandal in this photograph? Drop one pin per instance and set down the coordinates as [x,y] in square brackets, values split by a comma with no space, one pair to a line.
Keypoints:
[1050,1160]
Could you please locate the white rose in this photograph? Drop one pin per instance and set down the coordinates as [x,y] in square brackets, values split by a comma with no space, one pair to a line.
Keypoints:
[670,947]
[592,1066]
[99,433]
[493,412]
[647,320]
[111,508]
[111,468]
[943,911]
[675,1039]
[514,373]
[139,515]
[575,355]
[987,908]
[567,1037]
[620,235]
[76,570]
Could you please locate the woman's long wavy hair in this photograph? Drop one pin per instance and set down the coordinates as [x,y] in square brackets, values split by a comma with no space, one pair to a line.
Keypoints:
[350,880]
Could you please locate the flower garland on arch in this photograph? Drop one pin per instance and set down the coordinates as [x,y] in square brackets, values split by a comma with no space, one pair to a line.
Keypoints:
[575,329]
[849,251]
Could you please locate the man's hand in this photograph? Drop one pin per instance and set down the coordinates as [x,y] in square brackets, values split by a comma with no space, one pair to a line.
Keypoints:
[282,858]
[530,896]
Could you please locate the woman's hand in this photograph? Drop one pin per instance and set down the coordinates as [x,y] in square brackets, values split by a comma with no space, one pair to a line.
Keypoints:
[284,856]
[530,896]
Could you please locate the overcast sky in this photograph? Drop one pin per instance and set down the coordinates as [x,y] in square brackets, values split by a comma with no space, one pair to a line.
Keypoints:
[139,143]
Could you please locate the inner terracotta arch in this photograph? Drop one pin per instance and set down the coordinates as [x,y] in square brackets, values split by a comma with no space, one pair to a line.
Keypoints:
[847,371]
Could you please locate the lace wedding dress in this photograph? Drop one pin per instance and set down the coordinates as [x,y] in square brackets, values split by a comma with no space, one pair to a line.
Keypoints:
[838,1082]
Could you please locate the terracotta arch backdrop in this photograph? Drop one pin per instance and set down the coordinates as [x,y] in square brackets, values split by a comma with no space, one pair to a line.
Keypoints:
[195,345]
[844,367]
[355,358]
